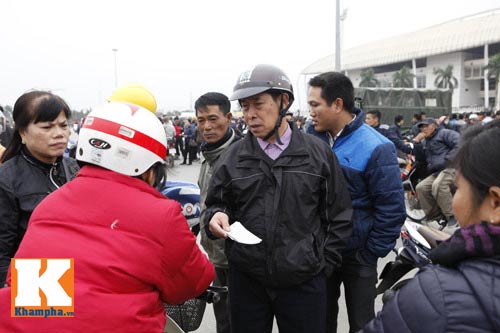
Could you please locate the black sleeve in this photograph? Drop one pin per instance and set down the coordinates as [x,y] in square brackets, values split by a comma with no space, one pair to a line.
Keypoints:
[218,198]
[338,215]
[393,136]
[9,216]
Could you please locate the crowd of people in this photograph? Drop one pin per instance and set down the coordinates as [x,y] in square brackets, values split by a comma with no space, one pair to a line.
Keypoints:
[323,196]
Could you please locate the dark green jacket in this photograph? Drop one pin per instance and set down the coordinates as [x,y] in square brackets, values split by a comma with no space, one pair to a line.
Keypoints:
[214,248]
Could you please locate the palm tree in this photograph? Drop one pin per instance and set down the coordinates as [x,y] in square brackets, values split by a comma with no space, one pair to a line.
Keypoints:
[493,68]
[368,78]
[444,78]
[403,78]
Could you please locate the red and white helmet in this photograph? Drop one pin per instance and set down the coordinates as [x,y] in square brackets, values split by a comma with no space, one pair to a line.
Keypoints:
[122,137]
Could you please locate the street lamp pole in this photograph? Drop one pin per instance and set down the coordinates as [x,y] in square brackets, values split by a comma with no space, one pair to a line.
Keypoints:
[337,36]
[115,51]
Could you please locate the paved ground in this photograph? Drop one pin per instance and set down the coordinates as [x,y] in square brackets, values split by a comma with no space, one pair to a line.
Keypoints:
[190,173]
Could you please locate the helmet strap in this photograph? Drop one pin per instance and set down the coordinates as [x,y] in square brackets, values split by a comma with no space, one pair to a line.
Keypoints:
[275,131]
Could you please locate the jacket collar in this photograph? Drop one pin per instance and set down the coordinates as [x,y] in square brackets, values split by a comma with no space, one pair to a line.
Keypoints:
[250,150]
[92,171]
[212,154]
[433,134]
[355,124]
[34,161]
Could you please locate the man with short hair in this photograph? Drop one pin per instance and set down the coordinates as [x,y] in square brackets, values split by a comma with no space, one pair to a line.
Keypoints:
[213,111]
[398,122]
[434,192]
[369,163]
[373,120]
[287,188]
[417,117]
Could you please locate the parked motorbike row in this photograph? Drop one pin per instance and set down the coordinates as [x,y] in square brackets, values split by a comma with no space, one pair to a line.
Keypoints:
[418,240]
[411,174]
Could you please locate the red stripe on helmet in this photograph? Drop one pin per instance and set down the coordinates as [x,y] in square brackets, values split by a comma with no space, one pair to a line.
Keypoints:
[134,136]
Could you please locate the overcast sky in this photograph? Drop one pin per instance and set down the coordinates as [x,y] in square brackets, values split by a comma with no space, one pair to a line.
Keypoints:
[182,49]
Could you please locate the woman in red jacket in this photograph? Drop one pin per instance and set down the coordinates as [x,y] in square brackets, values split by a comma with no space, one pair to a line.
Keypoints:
[131,246]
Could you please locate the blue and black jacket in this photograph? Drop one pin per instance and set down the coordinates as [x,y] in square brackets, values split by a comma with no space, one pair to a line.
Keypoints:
[369,163]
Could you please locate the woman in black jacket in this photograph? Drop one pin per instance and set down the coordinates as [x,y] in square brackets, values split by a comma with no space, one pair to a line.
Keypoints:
[459,291]
[32,166]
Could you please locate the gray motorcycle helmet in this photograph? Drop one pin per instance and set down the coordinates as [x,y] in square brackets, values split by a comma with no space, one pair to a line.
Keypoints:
[259,79]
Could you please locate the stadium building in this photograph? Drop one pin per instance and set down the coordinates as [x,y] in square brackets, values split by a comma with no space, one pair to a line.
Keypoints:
[465,43]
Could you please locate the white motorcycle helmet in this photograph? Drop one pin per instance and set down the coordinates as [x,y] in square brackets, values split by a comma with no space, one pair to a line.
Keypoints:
[122,137]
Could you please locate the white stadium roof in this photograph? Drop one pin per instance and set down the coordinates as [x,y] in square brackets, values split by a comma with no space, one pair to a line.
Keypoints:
[463,33]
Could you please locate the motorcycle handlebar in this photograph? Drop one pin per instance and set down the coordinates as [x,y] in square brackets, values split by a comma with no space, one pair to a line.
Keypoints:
[213,294]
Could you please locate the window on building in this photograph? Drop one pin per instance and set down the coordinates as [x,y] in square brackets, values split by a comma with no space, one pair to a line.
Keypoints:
[421,81]
[476,71]
[468,72]
[492,84]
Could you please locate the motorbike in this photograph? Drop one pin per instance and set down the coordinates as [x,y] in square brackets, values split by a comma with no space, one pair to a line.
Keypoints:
[187,316]
[418,240]
[410,176]
[188,195]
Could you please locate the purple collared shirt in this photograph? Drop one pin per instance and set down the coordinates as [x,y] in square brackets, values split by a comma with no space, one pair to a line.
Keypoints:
[274,150]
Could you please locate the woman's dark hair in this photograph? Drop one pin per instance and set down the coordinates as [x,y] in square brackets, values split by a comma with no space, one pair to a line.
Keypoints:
[477,158]
[160,175]
[33,107]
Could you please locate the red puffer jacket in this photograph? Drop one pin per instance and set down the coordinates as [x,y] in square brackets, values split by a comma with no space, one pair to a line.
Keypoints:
[131,248]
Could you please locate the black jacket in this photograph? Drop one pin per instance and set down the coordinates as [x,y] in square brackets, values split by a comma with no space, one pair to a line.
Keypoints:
[298,204]
[390,134]
[439,149]
[458,294]
[24,183]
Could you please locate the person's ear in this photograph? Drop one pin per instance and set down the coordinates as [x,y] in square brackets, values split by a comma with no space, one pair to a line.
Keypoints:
[22,134]
[229,117]
[149,176]
[494,204]
[286,100]
[339,104]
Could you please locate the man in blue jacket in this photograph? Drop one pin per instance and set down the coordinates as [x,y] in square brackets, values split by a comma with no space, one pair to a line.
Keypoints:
[368,161]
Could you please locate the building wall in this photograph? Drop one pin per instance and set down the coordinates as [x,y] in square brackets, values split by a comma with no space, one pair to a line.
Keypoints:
[466,94]
[442,61]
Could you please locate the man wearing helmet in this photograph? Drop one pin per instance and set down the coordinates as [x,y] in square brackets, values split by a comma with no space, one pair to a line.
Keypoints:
[131,246]
[287,189]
